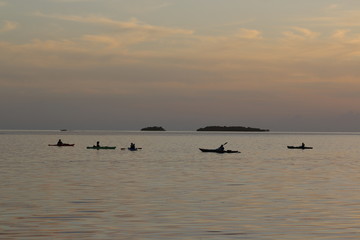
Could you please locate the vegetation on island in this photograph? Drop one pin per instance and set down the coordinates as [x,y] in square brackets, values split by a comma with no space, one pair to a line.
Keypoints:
[155,128]
[232,129]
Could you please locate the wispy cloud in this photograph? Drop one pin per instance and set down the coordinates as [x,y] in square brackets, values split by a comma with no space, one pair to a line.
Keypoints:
[301,34]
[148,7]
[120,34]
[249,34]
[8,26]
[346,36]
[160,6]
[336,18]
[136,41]
[333,7]
[340,34]
[132,24]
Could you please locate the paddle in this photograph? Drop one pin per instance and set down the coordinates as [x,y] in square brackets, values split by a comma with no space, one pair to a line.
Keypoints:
[224,144]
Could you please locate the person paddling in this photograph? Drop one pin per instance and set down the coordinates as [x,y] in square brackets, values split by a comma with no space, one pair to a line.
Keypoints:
[59,143]
[221,148]
[132,146]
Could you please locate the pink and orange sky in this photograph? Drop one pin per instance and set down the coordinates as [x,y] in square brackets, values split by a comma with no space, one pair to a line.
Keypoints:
[114,64]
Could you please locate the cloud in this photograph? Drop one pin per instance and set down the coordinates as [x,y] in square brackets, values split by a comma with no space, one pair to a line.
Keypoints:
[249,34]
[340,34]
[136,42]
[132,24]
[137,8]
[8,26]
[118,36]
[333,7]
[160,6]
[336,18]
[107,41]
[300,34]
[345,36]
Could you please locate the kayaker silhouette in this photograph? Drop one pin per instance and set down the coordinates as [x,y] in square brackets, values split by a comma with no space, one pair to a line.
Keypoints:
[97,144]
[221,148]
[59,143]
[303,145]
[132,146]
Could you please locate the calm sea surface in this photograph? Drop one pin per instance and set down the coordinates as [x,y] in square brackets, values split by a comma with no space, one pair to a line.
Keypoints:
[171,190]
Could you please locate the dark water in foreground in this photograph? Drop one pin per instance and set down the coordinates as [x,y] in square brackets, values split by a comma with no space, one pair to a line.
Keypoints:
[170,190]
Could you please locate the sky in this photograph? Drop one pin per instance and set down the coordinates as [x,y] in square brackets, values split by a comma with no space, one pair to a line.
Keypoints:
[282,65]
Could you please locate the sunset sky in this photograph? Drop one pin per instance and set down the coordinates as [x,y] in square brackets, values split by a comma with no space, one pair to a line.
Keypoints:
[284,65]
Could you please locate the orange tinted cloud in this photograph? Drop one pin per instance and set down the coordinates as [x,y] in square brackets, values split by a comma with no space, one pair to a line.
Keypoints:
[8,26]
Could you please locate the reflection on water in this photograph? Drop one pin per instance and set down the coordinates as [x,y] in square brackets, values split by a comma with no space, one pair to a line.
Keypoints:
[170,190]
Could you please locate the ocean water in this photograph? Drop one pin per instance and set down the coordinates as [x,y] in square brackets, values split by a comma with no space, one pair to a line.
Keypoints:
[171,190]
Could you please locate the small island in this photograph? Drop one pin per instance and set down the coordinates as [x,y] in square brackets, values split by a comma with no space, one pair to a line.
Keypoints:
[232,129]
[155,128]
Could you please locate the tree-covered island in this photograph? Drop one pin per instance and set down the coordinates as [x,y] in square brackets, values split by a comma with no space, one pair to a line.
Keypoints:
[232,129]
[155,128]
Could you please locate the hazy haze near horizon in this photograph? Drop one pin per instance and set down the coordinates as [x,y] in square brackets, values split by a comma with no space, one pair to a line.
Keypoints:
[106,64]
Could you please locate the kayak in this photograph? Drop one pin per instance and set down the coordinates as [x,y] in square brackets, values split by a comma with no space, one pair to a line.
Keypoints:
[298,147]
[218,151]
[101,147]
[62,145]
